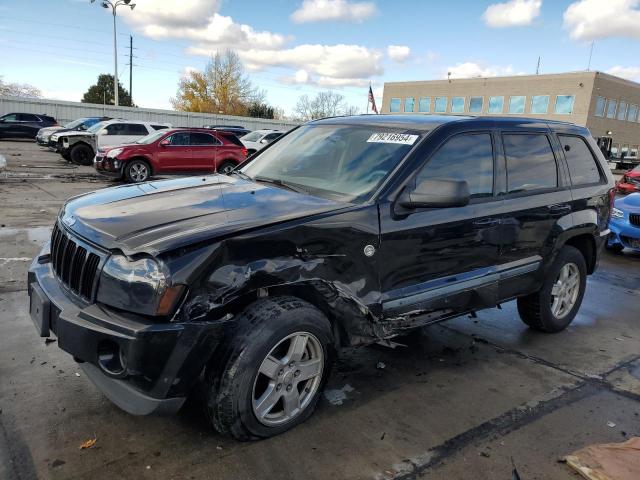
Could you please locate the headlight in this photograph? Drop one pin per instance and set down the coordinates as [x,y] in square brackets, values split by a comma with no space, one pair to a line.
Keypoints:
[115,152]
[617,213]
[140,286]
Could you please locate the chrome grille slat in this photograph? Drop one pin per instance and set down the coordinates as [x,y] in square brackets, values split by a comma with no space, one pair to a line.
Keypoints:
[74,264]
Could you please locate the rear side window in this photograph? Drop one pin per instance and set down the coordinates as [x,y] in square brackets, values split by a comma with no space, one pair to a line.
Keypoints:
[582,166]
[28,117]
[230,137]
[466,157]
[203,139]
[135,129]
[159,127]
[271,137]
[530,162]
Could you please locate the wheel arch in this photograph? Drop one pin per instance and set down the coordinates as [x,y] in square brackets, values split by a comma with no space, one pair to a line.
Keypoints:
[143,159]
[585,243]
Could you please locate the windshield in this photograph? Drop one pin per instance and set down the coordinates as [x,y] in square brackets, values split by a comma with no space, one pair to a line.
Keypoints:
[96,127]
[346,162]
[152,137]
[253,136]
[75,123]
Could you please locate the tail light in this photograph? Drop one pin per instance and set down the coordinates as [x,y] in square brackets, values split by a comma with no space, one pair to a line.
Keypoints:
[244,152]
[612,199]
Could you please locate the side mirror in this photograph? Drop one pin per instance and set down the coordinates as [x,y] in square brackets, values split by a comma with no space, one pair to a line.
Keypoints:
[165,142]
[264,141]
[102,132]
[435,193]
[82,128]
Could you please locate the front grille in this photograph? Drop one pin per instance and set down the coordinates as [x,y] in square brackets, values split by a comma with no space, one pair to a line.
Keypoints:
[73,264]
[634,219]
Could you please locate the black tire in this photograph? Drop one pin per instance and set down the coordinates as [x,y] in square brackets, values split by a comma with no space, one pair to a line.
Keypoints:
[233,373]
[226,166]
[137,171]
[81,154]
[536,309]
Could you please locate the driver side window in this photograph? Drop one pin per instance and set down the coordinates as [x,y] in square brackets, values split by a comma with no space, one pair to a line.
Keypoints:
[467,157]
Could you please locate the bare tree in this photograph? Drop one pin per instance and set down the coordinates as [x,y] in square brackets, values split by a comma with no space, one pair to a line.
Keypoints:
[324,104]
[223,87]
[19,90]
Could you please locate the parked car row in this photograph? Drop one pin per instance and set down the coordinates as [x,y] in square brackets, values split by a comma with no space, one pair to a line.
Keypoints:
[24,125]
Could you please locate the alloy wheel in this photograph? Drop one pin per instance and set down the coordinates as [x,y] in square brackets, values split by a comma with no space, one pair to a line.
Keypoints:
[139,172]
[288,379]
[565,291]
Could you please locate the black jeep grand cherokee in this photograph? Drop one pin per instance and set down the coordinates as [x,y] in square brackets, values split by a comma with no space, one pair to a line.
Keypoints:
[344,231]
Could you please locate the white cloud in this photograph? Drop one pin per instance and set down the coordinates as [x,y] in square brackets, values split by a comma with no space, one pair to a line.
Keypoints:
[171,13]
[592,19]
[473,70]
[212,32]
[398,53]
[630,73]
[514,13]
[333,10]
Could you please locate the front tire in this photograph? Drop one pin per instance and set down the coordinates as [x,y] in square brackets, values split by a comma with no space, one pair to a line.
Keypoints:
[81,154]
[137,171]
[554,306]
[270,374]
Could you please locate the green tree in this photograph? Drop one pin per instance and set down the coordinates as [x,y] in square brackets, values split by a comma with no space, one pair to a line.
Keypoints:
[102,92]
[260,110]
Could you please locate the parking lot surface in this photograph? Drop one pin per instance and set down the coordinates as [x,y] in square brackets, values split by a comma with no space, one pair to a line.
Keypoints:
[467,398]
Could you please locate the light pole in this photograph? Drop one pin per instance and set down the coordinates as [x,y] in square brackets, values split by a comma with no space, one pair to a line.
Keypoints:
[113,5]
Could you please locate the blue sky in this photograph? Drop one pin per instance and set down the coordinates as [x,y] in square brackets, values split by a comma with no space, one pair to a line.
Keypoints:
[296,47]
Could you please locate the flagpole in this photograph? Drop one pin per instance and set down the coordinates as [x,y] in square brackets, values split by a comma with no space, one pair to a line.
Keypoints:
[368,101]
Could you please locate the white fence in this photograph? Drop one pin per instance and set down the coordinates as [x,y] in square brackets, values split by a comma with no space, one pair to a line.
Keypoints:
[67,111]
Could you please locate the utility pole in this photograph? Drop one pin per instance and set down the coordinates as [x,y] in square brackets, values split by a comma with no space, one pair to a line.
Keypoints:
[590,55]
[131,69]
[538,67]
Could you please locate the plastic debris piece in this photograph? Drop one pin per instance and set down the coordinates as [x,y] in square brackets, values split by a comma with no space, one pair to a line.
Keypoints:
[381,365]
[89,443]
[615,461]
[610,424]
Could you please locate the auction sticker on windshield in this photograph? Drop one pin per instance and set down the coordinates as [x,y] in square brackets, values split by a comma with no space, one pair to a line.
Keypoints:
[399,138]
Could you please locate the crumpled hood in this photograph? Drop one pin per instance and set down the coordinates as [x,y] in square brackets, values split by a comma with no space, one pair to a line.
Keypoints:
[630,203]
[75,133]
[50,130]
[159,216]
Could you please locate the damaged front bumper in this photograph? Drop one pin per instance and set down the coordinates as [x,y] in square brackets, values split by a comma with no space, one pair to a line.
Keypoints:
[141,365]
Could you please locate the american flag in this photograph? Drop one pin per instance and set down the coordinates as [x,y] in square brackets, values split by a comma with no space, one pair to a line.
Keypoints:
[372,100]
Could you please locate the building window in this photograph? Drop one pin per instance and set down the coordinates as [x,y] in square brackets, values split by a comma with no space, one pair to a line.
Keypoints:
[632,114]
[394,106]
[600,104]
[540,104]
[424,105]
[622,110]
[633,153]
[441,105]
[496,104]
[564,104]
[457,105]
[516,104]
[614,150]
[611,108]
[475,104]
[624,152]
[409,103]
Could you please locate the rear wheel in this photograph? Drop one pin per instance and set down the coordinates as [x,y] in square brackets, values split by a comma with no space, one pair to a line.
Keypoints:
[226,166]
[137,171]
[81,154]
[554,306]
[271,372]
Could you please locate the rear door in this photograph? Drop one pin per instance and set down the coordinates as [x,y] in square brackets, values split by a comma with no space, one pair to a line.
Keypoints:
[204,148]
[29,124]
[439,261]
[175,156]
[537,196]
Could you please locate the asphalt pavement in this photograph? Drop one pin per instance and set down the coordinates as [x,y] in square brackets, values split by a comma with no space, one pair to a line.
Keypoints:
[467,398]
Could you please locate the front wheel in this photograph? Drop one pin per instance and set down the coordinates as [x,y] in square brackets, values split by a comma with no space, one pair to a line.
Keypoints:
[81,154]
[137,171]
[271,372]
[553,307]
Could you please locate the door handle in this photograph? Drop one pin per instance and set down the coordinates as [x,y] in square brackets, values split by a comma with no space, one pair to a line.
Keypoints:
[560,208]
[486,222]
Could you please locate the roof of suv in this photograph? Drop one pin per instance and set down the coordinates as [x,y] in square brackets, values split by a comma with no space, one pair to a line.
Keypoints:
[120,120]
[429,122]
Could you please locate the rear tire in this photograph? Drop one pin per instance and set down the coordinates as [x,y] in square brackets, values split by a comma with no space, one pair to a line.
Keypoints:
[81,154]
[554,306]
[137,171]
[255,386]
[226,166]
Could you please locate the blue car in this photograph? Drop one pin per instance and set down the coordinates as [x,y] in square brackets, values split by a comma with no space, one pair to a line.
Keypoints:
[625,223]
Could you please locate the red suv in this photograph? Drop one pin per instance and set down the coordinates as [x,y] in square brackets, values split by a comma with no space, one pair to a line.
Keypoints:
[172,151]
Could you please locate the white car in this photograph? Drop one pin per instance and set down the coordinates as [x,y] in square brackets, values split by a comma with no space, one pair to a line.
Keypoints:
[259,139]
[119,132]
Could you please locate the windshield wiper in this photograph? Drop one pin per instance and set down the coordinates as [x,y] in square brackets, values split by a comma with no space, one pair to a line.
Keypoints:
[279,183]
[241,174]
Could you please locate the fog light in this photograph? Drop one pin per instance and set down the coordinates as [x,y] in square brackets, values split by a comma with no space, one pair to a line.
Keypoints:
[111,358]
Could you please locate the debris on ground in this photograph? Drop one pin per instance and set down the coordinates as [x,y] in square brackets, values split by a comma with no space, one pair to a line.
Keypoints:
[47,341]
[514,473]
[615,461]
[337,396]
[381,365]
[89,443]
[610,424]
